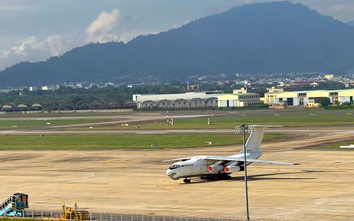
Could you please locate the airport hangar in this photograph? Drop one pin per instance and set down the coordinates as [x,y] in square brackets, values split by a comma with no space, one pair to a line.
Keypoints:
[206,99]
[307,98]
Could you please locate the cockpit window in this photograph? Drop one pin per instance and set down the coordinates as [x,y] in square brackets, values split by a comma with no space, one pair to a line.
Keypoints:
[174,166]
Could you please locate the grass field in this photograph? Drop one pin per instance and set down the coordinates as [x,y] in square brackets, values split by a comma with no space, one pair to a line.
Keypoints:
[44,123]
[226,119]
[337,146]
[218,120]
[95,142]
[229,121]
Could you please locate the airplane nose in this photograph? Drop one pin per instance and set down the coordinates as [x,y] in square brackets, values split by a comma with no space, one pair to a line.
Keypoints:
[170,173]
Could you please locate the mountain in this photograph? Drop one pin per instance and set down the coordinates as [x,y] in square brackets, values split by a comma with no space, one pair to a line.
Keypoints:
[256,38]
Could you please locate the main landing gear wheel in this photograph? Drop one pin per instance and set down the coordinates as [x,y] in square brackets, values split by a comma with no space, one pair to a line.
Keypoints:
[225,177]
[187,180]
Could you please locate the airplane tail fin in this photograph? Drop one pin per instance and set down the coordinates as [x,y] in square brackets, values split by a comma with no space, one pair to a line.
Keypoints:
[254,141]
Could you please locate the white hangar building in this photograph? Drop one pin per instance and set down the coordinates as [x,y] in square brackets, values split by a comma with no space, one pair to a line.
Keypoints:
[176,101]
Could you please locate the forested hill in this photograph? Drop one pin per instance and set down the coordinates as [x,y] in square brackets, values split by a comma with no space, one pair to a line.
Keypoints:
[256,38]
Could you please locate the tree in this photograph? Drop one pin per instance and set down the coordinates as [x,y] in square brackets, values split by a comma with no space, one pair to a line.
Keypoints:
[330,85]
[324,101]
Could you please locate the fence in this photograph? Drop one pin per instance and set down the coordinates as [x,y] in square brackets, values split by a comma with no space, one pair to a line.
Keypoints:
[127,217]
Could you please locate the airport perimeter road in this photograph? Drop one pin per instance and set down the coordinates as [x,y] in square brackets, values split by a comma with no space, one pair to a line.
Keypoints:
[320,188]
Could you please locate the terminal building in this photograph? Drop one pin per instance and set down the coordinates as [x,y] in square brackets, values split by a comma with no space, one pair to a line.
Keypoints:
[307,98]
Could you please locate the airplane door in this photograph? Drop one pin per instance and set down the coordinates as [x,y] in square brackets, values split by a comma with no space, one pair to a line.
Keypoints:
[195,169]
[199,168]
[204,168]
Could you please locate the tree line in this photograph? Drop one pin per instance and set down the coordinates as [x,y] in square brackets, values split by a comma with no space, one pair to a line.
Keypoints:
[68,98]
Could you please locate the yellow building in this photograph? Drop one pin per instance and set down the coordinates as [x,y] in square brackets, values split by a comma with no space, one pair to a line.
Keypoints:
[239,100]
[307,98]
[329,76]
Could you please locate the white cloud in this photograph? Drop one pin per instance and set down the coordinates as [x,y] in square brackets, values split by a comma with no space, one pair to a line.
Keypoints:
[33,49]
[102,29]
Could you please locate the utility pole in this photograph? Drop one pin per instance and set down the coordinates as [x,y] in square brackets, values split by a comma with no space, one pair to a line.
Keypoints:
[243,129]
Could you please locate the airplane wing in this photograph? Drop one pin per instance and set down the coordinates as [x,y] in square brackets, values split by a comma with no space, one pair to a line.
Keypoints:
[226,158]
[270,162]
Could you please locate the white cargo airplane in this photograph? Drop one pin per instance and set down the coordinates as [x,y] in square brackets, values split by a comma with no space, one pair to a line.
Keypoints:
[220,167]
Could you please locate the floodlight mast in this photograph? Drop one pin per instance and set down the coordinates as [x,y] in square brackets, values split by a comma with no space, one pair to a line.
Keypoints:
[243,129]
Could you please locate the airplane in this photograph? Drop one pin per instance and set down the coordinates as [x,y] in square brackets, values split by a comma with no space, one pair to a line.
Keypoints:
[220,167]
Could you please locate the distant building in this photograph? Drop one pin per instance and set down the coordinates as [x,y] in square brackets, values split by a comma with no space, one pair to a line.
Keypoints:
[49,87]
[239,98]
[307,98]
[275,89]
[177,101]
[303,83]
[329,76]
[239,91]
[33,88]
[193,87]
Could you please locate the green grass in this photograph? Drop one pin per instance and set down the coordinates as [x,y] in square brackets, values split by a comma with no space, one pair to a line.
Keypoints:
[18,120]
[96,142]
[299,118]
[226,120]
[6,124]
[336,146]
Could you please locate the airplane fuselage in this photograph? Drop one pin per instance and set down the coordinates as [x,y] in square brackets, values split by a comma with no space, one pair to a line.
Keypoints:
[198,167]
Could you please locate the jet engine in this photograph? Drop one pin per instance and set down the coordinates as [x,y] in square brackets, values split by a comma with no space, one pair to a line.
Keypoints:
[215,168]
[232,168]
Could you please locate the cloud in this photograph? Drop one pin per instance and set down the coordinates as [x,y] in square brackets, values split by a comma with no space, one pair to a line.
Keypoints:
[102,29]
[33,49]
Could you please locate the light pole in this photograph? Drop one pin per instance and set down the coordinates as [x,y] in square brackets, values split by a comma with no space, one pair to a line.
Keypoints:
[243,129]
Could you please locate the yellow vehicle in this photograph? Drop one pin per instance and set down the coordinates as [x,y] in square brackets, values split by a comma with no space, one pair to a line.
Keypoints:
[69,213]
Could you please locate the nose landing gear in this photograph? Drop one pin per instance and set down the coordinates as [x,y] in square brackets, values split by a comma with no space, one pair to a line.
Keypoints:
[187,180]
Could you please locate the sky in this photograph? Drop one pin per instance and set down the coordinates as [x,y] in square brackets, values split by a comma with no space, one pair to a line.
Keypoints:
[35,30]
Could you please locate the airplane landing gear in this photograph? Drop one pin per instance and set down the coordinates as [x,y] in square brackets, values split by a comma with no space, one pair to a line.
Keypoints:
[222,176]
[186,180]
[225,177]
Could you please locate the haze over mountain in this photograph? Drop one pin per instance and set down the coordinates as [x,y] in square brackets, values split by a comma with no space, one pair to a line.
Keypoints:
[257,38]
[350,22]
